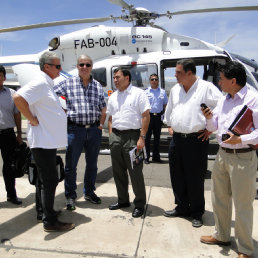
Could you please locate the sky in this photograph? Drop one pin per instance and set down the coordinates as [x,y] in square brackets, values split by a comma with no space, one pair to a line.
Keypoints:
[210,27]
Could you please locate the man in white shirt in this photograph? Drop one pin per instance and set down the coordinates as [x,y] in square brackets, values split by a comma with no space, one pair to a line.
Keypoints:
[189,148]
[47,131]
[234,171]
[128,110]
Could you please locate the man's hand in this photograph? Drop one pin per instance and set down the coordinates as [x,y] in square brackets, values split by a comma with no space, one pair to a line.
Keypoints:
[170,131]
[204,135]
[19,138]
[234,139]
[140,143]
[34,121]
[207,113]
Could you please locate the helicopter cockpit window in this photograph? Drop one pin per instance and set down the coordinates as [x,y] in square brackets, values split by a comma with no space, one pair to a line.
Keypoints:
[140,74]
[206,68]
[99,74]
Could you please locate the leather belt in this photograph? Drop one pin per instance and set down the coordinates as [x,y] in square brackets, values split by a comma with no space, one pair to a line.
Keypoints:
[97,123]
[234,151]
[125,131]
[186,135]
[2,131]
[155,114]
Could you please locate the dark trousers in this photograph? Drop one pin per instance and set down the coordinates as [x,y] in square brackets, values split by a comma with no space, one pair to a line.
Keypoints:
[155,129]
[188,165]
[120,145]
[45,160]
[7,146]
[38,201]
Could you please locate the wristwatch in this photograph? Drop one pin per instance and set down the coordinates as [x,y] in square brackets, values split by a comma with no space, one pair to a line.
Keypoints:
[143,136]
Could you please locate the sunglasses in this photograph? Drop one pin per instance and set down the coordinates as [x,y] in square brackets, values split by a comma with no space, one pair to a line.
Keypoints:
[154,79]
[57,66]
[82,65]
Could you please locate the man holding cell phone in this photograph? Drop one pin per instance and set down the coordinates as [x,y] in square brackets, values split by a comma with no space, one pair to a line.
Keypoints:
[234,171]
[189,146]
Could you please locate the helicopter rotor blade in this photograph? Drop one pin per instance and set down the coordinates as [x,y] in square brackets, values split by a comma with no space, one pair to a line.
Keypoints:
[122,4]
[58,23]
[127,18]
[209,10]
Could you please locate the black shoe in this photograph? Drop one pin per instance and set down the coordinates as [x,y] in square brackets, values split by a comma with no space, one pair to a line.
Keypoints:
[117,206]
[197,222]
[157,160]
[59,226]
[174,213]
[14,200]
[146,161]
[137,212]
[93,198]
[40,216]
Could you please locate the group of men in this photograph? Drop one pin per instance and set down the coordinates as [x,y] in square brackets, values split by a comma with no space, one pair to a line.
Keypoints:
[134,115]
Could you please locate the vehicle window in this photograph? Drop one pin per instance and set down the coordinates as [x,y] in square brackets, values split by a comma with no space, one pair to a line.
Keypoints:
[170,79]
[206,68]
[99,74]
[140,74]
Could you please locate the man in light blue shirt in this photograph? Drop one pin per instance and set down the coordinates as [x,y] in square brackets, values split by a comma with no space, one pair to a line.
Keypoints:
[158,100]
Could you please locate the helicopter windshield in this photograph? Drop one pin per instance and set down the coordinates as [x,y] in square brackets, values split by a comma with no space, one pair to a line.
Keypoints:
[140,74]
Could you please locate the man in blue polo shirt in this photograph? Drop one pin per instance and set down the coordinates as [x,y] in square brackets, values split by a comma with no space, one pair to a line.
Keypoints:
[158,100]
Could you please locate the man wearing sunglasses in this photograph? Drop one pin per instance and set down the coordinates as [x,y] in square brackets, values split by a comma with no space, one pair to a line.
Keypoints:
[86,113]
[158,100]
[47,131]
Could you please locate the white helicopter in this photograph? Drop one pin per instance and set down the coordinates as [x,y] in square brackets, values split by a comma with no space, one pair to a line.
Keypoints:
[144,48]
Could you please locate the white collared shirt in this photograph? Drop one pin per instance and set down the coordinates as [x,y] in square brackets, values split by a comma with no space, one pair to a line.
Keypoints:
[51,132]
[126,108]
[183,111]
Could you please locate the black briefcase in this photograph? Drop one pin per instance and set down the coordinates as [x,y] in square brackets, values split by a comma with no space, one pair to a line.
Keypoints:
[20,160]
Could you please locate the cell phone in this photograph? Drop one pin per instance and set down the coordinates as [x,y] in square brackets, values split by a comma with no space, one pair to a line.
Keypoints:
[204,106]
[225,136]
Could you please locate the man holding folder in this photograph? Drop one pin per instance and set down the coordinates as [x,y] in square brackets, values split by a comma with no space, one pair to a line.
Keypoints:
[234,172]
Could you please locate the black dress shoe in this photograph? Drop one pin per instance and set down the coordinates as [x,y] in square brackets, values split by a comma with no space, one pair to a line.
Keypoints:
[197,222]
[117,206]
[59,226]
[157,161]
[14,200]
[174,213]
[137,212]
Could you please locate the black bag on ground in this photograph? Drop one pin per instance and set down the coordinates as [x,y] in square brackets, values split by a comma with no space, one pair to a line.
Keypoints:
[32,174]
[20,160]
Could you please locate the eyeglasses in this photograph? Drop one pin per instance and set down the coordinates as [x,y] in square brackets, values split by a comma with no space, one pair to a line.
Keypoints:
[57,66]
[154,79]
[82,65]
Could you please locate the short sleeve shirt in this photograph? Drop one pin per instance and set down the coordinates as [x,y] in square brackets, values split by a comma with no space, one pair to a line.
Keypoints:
[126,108]
[7,108]
[51,132]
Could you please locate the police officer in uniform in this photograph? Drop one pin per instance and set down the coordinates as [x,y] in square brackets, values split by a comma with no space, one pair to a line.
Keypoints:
[158,100]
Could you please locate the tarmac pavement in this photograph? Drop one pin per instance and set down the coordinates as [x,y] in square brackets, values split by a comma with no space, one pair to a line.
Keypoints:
[100,232]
